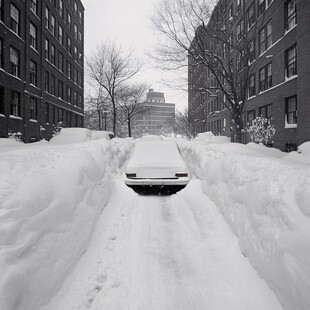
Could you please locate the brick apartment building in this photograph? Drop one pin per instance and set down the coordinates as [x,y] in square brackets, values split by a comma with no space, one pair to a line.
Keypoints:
[279,86]
[41,60]
[158,118]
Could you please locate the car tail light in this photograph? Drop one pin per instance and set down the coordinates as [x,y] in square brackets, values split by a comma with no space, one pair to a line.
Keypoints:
[181,174]
[131,175]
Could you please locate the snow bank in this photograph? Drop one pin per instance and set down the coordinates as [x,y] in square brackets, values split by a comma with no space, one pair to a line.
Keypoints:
[50,199]
[265,199]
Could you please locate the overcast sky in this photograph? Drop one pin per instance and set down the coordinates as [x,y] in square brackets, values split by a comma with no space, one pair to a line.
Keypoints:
[127,23]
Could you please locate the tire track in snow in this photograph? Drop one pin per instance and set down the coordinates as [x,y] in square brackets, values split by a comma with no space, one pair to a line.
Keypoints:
[163,253]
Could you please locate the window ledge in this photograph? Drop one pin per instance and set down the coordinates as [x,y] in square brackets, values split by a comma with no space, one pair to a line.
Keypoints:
[291,78]
[2,115]
[15,117]
[33,120]
[289,126]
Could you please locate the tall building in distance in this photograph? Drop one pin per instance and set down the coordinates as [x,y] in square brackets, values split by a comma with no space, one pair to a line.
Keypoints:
[158,118]
[41,60]
[278,33]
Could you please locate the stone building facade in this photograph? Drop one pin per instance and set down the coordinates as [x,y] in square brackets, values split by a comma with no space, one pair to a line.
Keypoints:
[41,60]
[279,86]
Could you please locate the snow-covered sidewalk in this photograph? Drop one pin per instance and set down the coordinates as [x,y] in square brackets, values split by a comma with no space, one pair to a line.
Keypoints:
[169,252]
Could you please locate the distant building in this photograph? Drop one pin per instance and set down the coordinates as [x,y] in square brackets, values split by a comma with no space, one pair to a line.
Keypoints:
[41,61]
[158,118]
[279,88]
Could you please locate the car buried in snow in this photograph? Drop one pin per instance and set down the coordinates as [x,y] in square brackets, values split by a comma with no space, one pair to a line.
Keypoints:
[156,167]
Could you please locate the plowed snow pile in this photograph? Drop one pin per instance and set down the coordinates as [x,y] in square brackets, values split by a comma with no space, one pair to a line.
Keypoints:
[50,199]
[264,195]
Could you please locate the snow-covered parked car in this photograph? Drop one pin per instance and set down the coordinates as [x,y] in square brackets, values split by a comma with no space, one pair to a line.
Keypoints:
[151,138]
[156,165]
[97,135]
[72,135]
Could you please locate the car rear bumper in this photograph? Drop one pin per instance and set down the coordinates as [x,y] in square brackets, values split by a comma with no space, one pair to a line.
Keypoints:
[160,182]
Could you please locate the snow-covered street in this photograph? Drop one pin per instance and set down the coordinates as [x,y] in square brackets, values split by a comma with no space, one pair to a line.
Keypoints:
[74,236]
[163,252]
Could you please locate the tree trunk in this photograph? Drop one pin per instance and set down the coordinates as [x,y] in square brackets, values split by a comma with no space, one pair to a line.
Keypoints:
[237,128]
[129,128]
[114,118]
[99,119]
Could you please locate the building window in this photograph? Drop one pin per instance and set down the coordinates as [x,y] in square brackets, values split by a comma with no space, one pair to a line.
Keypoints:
[80,17]
[14,62]
[33,36]
[230,13]
[32,108]
[1,99]
[33,72]
[75,98]
[15,104]
[60,89]
[69,94]
[252,85]
[54,114]
[47,17]
[80,36]
[69,20]
[47,49]
[239,5]
[60,115]
[80,105]
[53,58]
[291,61]
[250,116]
[47,81]
[265,78]
[266,111]
[60,62]
[60,35]
[53,25]
[47,113]
[69,47]
[75,32]
[1,53]
[75,56]
[240,30]
[250,16]
[291,109]
[34,6]
[53,88]
[15,19]
[75,76]
[1,9]
[261,7]
[75,8]
[251,51]
[265,38]
[80,59]
[290,14]
[69,69]
[61,8]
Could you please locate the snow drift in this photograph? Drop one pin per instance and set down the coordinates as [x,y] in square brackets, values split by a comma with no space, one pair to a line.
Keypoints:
[264,195]
[50,199]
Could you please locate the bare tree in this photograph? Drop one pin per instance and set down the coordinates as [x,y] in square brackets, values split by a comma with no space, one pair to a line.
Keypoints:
[130,103]
[200,36]
[182,125]
[110,69]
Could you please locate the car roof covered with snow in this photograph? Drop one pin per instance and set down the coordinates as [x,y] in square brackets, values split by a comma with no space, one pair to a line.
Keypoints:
[72,135]
[151,138]
[156,159]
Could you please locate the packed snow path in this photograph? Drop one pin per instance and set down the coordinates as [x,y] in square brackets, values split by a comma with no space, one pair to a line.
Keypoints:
[163,253]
